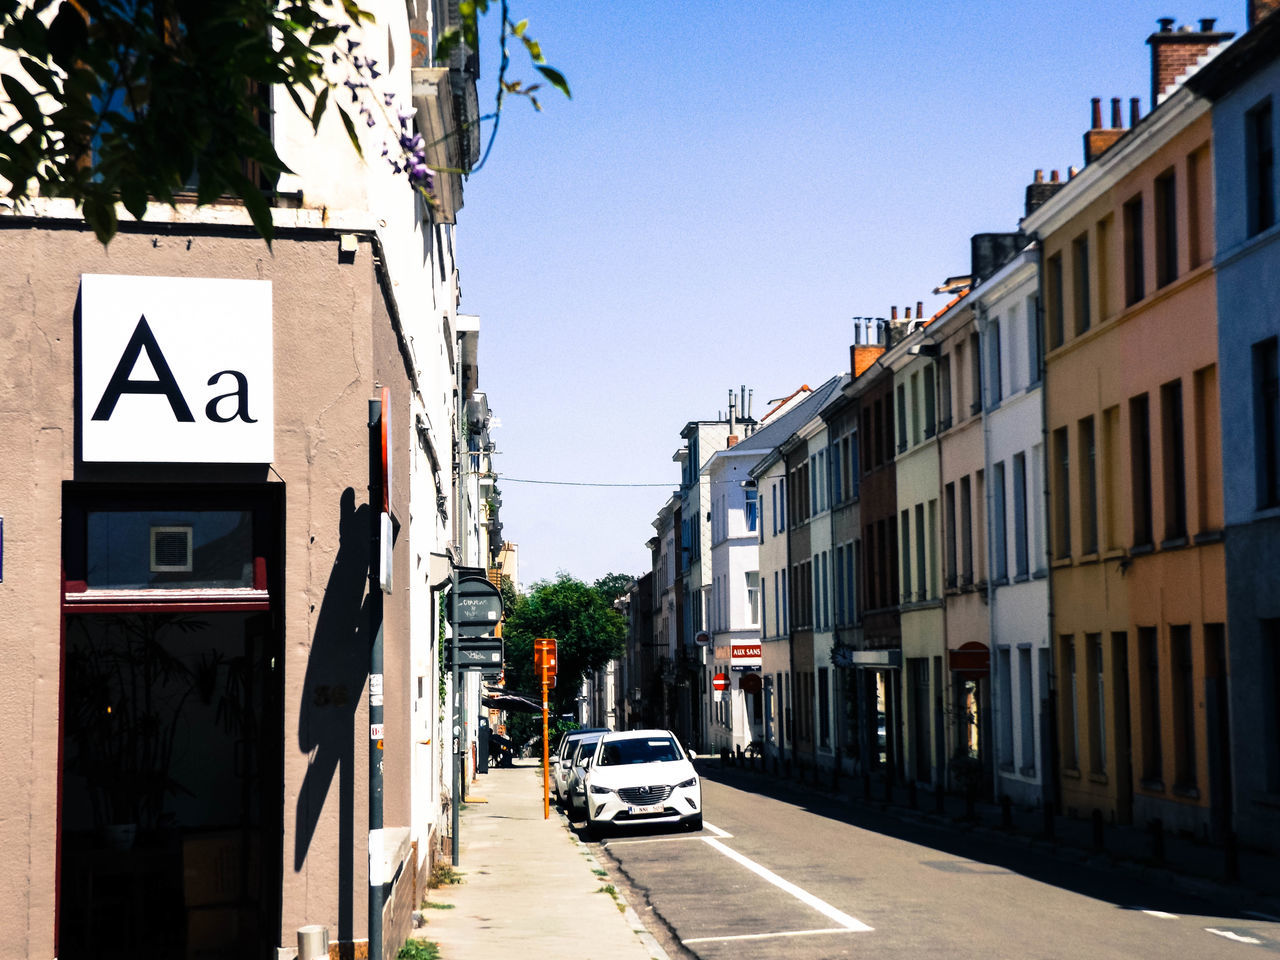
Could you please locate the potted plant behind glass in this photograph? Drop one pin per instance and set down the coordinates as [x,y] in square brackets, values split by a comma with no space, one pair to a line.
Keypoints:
[125,694]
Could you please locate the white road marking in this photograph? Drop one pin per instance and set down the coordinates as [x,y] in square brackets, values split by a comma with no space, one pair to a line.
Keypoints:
[766,936]
[722,834]
[846,921]
[1233,936]
[622,843]
[1160,914]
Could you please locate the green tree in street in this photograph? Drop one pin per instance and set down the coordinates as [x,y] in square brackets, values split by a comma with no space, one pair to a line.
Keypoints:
[588,633]
[614,585]
[112,102]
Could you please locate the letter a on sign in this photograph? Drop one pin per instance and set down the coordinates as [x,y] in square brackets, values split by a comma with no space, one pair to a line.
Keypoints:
[176,370]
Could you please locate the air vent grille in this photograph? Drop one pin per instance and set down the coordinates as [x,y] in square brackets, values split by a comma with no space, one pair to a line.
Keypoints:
[171,549]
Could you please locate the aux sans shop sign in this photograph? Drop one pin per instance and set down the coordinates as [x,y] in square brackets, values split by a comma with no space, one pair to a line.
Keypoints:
[176,369]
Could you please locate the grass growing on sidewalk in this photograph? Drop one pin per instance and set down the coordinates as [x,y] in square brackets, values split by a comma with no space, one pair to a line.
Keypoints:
[433,905]
[612,891]
[418,950]
[443,874]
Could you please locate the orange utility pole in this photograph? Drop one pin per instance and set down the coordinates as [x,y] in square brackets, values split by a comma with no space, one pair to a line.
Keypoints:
[544,661]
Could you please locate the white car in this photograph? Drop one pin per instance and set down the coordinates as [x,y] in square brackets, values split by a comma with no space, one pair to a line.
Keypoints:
[575,785]
[640,778]
[563,756]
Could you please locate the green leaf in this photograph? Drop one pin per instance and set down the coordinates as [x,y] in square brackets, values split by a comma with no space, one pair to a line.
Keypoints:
[520,28]
[22,99]
[556,79]
[322,101]
[256,204]
[351,131]
[40,74]
[100,214]
[534,48]
[133,194]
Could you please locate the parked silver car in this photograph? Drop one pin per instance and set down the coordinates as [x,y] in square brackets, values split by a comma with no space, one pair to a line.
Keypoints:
[576,790]
[562,756]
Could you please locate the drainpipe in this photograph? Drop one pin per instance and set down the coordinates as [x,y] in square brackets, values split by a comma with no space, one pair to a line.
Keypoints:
[992,659]
[376,494]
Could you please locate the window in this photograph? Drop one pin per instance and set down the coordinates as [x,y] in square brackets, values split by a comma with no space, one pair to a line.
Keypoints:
[855,599]
[838,576]
[1174,461]
[1207,455]
[1140,468]
[786,607]
[1080,282]
[752,505]
[916,408]
[999,545]
[902,417]
[1149,704]
[824,707]
[922,558]
[773,507]
[933,548]
[1054,301]
[944,388]
[994,379]
[1102,266]
[966,533]
[930,411]
[1088,486]
[837,474]
[1021,553]
[1035,337]
[949,521]
[1266,421]
[1166,228]
[1260,168]
[777,607]
[753,596]
[1135,287]
[1111,481]
[1097,706]
[782,499]
[1184,705]
[975,374]
[826,591]
[1004,686]
[1061,495]
[905,541]
[1026,709]
[1070,723]
[1270,637]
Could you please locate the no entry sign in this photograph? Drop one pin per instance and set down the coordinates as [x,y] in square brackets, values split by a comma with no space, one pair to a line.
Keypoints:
[720,682]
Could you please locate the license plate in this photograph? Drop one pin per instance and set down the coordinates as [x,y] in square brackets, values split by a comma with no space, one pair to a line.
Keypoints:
[646,808]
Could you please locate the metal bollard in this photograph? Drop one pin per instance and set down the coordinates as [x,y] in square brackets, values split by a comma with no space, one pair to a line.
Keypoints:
[313,942]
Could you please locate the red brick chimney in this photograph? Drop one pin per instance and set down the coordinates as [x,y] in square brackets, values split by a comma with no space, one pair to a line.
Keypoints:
[1097,139]
[862,356]
[1259,10]
[1173,52]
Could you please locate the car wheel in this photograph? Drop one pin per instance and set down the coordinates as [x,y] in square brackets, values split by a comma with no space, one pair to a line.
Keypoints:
[591,830]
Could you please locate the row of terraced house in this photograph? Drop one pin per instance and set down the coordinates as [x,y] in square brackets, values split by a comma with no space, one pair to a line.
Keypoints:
[1031,543]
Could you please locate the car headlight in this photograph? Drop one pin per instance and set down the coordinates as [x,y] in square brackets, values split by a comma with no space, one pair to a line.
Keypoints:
[691,782]
[600,791]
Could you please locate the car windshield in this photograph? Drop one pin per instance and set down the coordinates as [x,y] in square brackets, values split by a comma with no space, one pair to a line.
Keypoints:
[649,750]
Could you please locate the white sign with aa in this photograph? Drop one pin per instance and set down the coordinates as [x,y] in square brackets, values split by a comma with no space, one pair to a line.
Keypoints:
[176,369]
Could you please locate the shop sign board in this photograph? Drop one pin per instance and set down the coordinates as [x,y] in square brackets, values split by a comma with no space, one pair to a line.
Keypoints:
[745,656]
[176,370]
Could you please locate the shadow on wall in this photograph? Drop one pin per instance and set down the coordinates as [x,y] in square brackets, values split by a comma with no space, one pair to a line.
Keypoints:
[336,674]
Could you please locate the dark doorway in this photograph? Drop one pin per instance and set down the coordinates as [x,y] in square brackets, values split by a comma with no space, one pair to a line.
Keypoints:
[164,787]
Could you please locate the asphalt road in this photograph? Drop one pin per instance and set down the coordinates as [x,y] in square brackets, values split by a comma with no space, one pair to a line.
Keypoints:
[791,874]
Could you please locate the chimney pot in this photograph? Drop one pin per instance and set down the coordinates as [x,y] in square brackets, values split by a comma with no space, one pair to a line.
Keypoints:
[1166,24]
[1053,176]
[1097,113]
[1039,178]
[893,313]
[1135,111]
[908,312]
[919,309]
[1116,122]
[1072,171]
[1206,24]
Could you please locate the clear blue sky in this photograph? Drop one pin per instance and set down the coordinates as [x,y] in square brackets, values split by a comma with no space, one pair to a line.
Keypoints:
[730,184]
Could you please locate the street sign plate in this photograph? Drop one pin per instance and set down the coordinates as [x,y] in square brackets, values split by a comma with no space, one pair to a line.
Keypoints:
[477,603]
[474,654]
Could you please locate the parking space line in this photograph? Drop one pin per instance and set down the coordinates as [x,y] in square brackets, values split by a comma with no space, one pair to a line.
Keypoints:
[767,936]
[1232,935]
[722,834]
[846,921]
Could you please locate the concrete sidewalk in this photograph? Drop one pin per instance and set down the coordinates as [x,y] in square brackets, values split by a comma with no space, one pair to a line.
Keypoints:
[529,887]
